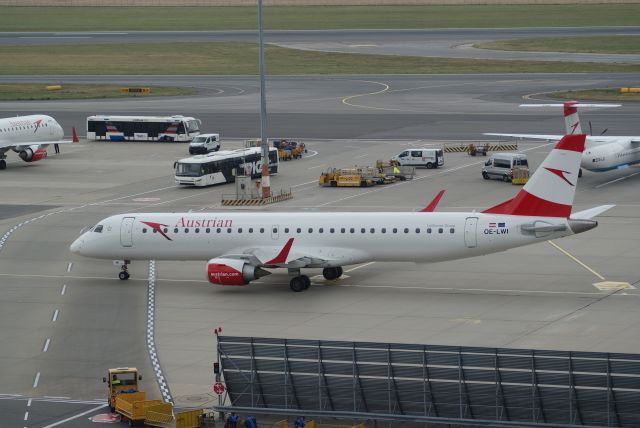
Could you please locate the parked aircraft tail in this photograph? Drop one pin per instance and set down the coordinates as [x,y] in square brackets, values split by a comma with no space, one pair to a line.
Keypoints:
[551,189]
[571,118]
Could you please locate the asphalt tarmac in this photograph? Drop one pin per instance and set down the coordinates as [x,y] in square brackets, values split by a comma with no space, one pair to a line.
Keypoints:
[452,43]
[452,107]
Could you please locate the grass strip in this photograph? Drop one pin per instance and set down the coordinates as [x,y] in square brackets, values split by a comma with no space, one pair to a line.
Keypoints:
[15,18]
[38,91]
[605,45]
[607,94]
[230,58]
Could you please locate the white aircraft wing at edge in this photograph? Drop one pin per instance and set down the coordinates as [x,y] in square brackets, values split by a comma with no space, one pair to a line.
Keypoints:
[4,144]
[531,136]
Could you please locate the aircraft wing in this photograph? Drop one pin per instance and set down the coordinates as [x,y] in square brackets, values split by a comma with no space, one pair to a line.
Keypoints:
[291,256]
[10,144]
[527,136]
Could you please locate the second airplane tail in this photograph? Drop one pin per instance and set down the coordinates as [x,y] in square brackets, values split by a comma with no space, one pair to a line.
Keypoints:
[551,189]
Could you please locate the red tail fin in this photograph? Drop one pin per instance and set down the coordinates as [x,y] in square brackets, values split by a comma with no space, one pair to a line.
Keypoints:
[550,190]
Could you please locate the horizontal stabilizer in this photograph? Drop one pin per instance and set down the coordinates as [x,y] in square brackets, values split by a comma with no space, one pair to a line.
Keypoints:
[591,212]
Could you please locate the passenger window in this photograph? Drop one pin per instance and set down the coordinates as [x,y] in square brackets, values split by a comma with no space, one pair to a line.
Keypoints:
[208,230]
[144,230]
[175,230]
[197,230]
[332,230]
[352,230]
[298,230]
[417,230]
[451,230]
[275,230]
[406,230]
[251,230]
[229,230]
[372,230]
[239,230]
[383,230]
[186,230]
[320,230]
[362,230]
[310,230]
[218,230]
[286,230]
[440,230]
[262,230]
[166,230]
[343,230]
[428,230]
[416,154]
[395,230]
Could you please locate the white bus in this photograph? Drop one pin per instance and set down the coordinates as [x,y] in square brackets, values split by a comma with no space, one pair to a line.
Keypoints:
[142,128]
[222,166]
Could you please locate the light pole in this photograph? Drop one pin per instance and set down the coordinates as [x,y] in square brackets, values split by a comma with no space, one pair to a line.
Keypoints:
[266,185]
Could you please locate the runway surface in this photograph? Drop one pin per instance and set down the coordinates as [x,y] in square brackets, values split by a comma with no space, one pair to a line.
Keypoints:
[368,106]
[451,43]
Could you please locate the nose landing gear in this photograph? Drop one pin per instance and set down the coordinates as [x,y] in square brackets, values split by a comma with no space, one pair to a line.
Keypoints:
[124,264]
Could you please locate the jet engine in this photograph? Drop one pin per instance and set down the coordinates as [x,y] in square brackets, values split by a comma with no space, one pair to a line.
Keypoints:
[233,272]
[32,153]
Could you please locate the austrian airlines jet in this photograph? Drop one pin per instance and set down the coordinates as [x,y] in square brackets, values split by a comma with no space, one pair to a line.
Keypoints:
[602,153]
[239,246]
[29,136]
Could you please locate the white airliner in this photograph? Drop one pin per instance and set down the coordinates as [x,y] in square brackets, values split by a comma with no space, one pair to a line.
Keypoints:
[239,246]
[602,153]
[29,136]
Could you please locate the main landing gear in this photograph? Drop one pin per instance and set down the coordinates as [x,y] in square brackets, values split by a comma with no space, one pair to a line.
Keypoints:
[332,273]
[300,282]
[3,163]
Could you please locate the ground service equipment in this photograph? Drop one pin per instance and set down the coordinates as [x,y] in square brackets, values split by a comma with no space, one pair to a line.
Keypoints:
[121,380]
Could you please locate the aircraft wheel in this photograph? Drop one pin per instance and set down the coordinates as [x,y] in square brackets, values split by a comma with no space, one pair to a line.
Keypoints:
[3,164]
[485,175]
[299,283]
[331,273]
[339,271]
[123,275]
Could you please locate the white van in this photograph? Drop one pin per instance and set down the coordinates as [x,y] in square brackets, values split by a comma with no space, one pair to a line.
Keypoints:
[431,158]
[500,165]
[204,143]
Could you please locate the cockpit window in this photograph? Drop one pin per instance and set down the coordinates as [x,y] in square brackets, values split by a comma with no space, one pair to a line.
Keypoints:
[98,229]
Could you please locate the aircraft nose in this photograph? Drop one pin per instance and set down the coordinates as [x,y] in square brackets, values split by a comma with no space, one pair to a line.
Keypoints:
[76,246]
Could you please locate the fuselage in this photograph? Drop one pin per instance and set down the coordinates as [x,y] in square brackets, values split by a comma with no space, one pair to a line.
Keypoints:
[606,154]
[29,130]
[346,238]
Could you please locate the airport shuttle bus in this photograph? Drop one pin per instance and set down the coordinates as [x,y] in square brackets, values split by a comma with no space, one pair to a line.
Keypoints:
[142,128]
[222,166]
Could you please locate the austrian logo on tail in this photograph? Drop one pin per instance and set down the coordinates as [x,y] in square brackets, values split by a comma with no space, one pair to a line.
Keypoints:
[560,173]
[157,227]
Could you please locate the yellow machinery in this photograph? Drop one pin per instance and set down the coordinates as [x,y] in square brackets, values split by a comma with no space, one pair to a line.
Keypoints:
[161,415]
[347,177]
[520,175]
[133,406]
[121,380]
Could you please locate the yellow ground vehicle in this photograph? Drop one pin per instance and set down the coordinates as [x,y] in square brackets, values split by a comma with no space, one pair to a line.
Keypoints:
[346,177]
[121,380]
[133,406]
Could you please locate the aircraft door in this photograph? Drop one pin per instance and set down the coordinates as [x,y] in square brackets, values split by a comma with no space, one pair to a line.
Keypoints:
[470,228]
[126,232]
[274,231]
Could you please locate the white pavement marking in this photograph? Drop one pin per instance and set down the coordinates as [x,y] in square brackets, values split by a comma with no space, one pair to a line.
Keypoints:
[46,345]
[79,415]
[151,341]
[36,380]
[304,184]
[360,266]
[29,402]
[69,266]
[64,289]
[314,167]
[55,315]
[616,180]
[476,290]
[26,415]
[361,156]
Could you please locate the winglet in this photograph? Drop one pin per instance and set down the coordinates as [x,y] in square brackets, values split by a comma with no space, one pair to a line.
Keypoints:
[75,138]
[282,256]
[432,205]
